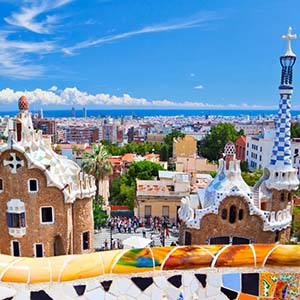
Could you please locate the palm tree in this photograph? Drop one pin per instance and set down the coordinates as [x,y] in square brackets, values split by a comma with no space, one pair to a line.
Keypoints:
[95,163]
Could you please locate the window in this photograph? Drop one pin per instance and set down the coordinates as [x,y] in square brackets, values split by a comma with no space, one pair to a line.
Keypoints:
[86,240]
[241,214]
[232,214]
[282,197]
[33,185]
[224,213]
[15,220]
[188,238]
[15,248]
[1,185]
[38,250]
[147,211]
[165,211]
[47,215]
[171,187]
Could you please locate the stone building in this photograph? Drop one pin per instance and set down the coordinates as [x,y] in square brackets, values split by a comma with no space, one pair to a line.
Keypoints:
[186,158]
[45,199]
[230,212]
[161,197]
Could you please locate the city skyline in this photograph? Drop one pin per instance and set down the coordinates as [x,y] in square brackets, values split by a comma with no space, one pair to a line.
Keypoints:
[149,54]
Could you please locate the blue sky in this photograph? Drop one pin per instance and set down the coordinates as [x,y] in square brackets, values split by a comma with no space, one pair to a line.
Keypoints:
[145,53]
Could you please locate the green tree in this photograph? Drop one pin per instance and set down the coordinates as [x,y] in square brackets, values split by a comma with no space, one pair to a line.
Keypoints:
[252,177]
[95,163]
[145,170]
[213,144]
[100,216]
[123,190]
[296,222]
[295,130]
[164,153]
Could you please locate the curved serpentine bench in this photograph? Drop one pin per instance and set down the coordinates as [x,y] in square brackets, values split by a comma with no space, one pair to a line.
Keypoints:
[185,272]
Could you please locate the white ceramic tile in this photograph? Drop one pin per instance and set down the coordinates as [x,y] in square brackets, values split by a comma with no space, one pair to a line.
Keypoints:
[95,294]
[214,279]
[6,292]
[187,279]
[212,291]
[161,282]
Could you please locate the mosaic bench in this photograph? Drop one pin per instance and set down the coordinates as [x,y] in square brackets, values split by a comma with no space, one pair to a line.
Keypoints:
[216,272]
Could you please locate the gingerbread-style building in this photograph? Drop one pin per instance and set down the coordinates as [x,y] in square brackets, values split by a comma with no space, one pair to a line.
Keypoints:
[230,212]
[45,199]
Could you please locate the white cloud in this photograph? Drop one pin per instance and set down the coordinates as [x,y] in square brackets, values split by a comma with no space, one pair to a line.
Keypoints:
[199,87]
[200,21]
[53,88]
[73,96]
[31,11]
[15,56]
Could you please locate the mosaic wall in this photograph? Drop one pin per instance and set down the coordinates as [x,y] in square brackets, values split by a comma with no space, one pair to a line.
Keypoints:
[245,272]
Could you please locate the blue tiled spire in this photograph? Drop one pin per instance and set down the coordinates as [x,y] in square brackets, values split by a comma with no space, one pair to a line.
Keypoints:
[280,173]
[281,153]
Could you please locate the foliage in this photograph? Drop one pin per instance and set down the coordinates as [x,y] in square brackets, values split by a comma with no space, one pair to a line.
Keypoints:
[252,178]
[213,144]
[100,216]
[295,130]
[123,191]
[244,166]
[296,222]
[171,166]
[144,170]
[213,174]
[133,147]
[95,163]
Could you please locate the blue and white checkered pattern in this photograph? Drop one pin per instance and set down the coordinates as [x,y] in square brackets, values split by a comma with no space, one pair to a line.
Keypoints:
[281,153]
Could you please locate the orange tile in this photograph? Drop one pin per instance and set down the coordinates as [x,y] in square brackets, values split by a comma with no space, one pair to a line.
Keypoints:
[243,296]
[236,256]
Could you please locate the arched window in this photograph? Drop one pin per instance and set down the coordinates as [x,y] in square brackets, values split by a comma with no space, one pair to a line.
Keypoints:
[241,214]
[232,214]
[224,213]
[282,197]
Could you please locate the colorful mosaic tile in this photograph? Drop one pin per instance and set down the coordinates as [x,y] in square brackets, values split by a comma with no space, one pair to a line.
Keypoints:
[170,273]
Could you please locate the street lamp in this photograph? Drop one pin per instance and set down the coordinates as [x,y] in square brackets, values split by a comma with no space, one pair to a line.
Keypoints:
[111,237]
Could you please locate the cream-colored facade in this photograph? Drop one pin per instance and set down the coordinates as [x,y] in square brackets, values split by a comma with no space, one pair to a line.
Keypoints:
[186,147]
[161,198]
[194,164]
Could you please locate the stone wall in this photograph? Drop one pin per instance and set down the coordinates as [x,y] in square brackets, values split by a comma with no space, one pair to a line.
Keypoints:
[83,222]
[244,272]
[57,237]
[15,186]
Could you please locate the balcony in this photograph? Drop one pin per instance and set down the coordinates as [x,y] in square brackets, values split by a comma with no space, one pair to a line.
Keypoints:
[17,232]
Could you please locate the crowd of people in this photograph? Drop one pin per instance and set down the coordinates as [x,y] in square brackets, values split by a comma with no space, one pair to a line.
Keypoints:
[151,226]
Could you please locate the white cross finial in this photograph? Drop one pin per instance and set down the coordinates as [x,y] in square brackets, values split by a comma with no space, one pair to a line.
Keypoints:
[289,37]
[14,162]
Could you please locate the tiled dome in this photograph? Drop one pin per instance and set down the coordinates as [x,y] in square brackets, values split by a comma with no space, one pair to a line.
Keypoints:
[23,103]
[229,148]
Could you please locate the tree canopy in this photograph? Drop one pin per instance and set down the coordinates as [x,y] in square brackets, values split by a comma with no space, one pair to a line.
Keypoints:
[213,144]
[95,163]
[123,190]
[295,130]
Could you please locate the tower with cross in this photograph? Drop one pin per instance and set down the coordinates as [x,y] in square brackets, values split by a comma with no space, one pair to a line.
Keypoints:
[281,177]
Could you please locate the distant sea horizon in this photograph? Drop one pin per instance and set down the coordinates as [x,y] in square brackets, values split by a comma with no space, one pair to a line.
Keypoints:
[153,112]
